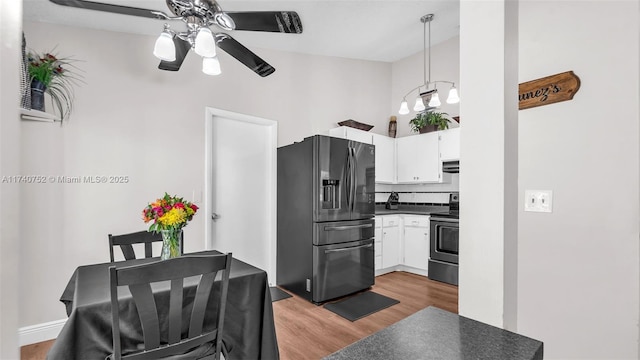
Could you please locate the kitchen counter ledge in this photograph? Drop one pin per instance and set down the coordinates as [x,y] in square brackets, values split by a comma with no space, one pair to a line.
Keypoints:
[411,210]
[433,333]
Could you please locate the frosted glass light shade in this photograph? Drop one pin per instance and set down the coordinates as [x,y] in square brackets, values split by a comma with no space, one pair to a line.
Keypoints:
[419,106]
[211,66]
[205,44]
[165,48]
[404,108]
[435,100]
[453,97]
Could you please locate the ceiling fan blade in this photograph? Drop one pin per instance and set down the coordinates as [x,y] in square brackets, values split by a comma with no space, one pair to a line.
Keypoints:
[244,55]
[182,48]
[272,21]
[118,9]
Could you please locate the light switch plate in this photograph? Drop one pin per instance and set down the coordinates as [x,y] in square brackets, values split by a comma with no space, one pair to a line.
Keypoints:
[538,200]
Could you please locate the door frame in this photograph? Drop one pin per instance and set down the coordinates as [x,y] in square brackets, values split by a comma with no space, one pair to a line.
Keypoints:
[211,114]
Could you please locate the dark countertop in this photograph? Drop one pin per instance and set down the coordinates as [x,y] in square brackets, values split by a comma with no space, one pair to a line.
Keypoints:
[411,209]
[433,333]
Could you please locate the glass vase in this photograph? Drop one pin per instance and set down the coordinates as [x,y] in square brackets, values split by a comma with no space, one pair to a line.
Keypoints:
[171,243]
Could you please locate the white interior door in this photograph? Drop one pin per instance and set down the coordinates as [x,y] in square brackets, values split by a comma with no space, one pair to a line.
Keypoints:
[241,187]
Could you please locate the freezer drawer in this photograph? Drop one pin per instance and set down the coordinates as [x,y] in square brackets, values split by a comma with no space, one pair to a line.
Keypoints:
[336,232]
[342,269]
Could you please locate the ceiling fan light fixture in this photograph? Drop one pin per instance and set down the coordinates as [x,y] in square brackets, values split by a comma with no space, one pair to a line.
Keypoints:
[211,66]
[164,48]
[453,97]
[435,100]
[404,108]
[205,44]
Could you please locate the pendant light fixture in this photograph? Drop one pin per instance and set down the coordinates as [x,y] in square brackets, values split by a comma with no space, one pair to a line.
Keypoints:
[428,95]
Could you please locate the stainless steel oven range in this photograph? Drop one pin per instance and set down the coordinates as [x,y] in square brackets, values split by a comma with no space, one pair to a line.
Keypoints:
[443,261]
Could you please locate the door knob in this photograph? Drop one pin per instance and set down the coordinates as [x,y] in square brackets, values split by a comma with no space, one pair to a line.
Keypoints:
[215,216]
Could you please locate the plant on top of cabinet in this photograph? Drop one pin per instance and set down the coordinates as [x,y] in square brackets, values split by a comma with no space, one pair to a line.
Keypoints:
[428,121]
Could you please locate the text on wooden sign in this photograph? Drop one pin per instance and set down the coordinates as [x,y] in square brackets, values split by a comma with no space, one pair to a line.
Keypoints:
[548,90]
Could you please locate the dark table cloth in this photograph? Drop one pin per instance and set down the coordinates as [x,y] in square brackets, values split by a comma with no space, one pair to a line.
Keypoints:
[249,328]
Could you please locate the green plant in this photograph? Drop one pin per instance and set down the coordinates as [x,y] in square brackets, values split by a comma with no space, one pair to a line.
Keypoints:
[54,73]
[425,118]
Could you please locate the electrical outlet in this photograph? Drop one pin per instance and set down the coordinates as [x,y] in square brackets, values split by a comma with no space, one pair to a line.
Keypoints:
[538,200]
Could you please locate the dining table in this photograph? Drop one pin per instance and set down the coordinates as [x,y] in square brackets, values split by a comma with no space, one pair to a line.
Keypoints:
[249,329]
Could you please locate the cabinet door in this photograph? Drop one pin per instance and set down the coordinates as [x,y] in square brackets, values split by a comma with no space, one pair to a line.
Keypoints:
[419,159]
[350,133]
[390,241]
[378,243]
[416,242]
[450,144]
[385,158]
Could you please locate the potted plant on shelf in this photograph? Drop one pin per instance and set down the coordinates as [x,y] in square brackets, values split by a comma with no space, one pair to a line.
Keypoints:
[428,121]
[51,74]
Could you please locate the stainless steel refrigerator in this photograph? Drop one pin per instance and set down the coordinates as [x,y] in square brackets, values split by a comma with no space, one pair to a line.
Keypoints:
[326,205]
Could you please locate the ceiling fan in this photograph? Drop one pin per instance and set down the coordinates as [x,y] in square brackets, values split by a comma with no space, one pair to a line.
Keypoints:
[172,47]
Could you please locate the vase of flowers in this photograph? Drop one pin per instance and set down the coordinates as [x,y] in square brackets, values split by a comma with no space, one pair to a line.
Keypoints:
[169,215]
[51,74]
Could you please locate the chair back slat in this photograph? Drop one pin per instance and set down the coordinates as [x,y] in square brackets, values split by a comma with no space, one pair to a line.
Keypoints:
[175,311]
[148,313]
[200,304]
[139,278]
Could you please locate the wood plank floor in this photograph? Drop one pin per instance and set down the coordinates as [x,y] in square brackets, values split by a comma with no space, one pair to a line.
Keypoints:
[307,331]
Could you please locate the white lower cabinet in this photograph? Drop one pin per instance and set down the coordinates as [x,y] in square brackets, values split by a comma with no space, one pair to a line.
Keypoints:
[416,241]
[402,243]
[377,250]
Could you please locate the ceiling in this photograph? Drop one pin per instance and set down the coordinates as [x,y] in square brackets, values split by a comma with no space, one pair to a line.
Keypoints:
[386,30]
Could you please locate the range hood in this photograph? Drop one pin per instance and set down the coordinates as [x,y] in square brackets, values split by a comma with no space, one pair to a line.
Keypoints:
[452,167]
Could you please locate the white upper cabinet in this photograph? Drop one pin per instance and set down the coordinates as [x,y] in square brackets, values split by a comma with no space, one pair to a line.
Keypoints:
[385,158]
[418,160]
[350,133]
[450,144]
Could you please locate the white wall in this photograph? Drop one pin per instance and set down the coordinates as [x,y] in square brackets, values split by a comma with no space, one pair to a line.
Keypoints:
[10,240]
[488,162]
[578,281]
[134,120]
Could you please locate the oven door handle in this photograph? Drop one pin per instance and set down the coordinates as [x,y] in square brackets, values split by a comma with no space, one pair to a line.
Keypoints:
[347,227]
[348,249]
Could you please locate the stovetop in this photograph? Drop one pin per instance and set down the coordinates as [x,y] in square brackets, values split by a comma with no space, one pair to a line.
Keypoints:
[451,214]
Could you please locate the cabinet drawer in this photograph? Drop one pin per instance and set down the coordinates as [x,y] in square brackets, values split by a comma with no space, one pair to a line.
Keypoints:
[390,221]
[378,221]
[416,221]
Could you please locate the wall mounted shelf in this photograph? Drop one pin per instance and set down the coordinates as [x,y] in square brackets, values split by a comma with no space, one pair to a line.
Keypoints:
[35,115]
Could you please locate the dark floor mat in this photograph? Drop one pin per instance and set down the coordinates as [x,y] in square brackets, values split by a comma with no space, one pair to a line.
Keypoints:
[277,294]
[360,305]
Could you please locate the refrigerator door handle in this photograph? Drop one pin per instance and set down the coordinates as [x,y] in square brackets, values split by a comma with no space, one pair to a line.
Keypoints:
[354,179]
[348,179]
[347,227]
[348,249]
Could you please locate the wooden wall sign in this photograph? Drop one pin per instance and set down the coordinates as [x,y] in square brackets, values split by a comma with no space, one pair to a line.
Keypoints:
[548,90]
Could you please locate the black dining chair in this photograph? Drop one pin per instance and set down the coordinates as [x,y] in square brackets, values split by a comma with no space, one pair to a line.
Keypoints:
[126,242]
[197,343]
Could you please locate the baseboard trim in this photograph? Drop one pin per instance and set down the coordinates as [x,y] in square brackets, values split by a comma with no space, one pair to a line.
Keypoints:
[40,332]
